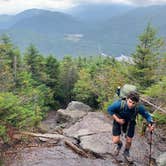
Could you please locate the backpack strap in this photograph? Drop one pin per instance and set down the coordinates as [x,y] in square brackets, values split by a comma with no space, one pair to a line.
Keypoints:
[133,117]
[122,106]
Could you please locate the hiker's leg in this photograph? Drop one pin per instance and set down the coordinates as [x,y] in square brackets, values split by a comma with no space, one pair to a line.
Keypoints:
[130,134]
[128,142]
[126,152]
[116,131]
[116,139]
[118,144]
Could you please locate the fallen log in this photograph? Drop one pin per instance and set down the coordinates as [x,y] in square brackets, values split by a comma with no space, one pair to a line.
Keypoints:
[76,149]
[50,136]
[153,105]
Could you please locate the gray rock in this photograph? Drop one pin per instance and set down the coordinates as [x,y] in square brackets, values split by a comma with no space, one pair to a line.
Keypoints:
[161,160]
[72,113]
[78,106]
[66,116]
[98,143]
[92,123]
[94,133]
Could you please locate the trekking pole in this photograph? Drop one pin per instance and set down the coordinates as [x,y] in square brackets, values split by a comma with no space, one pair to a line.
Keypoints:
[150,148]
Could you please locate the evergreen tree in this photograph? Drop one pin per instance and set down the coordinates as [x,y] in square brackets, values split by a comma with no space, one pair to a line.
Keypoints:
[10,61]
[98,81]
[146,57]
[52,72]
[83,87]
[68,77]
[35,63]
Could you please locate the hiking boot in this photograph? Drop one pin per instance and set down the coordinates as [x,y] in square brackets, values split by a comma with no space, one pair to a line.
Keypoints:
[118,148]
[126,155]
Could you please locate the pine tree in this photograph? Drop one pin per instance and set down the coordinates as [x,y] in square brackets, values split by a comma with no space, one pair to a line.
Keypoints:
[146,57]
[68,77]
[35,64]
[10,61]
[52,80]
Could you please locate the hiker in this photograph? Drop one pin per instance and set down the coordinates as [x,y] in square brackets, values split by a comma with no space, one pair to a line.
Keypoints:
[124,114]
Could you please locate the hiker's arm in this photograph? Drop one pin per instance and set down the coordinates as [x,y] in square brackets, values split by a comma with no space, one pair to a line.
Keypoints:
[117,119]
[150,126]
[113,110]
[145,114]
[114,107]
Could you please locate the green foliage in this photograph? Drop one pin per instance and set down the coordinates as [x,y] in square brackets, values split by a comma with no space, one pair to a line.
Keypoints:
[44,73]
[33,96]
[83,87]
[146,58]
[6,78]
[68,77]
[14,112]
[98,81]
[2,130]
[158,95]
[157,91]
[52,71]
[160,118]
[35,64]
[52,81]
[9,58]
[29,87]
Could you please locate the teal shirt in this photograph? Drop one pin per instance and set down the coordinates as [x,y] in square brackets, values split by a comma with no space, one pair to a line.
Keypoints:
[127,113]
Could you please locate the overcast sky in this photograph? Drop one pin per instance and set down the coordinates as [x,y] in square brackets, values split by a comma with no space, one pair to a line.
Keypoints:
[15,6]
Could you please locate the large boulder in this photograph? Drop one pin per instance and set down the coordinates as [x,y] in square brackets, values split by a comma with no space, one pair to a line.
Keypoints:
[72,113]
[78,106]
[65,116]
[93,132]
[100,143]
[92,123]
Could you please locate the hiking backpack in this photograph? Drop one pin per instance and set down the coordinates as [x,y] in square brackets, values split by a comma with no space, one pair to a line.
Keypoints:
[122,93]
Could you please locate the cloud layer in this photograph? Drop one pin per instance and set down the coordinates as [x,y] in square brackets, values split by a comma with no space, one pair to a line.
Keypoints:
[15,6]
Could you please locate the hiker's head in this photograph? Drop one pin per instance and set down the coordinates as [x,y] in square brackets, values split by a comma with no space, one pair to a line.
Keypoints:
[132,99]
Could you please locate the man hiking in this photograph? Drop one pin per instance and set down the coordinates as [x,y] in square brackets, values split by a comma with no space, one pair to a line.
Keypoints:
[124,114]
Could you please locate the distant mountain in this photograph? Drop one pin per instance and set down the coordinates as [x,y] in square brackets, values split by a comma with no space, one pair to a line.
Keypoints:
[112,31]
[48,22]
[99,12]
[123,31]
[51,32]
[6,21]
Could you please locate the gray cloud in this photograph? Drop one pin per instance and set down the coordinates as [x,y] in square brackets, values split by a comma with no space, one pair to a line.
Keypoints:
[15,6]
[147,2]
[134,2]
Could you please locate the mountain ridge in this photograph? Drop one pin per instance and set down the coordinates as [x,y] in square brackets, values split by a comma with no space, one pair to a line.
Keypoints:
[62,34]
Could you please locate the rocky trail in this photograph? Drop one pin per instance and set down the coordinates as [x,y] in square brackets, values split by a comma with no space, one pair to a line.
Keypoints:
[77,136]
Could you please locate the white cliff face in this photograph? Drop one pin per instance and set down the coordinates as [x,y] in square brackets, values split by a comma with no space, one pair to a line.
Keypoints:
[124,58]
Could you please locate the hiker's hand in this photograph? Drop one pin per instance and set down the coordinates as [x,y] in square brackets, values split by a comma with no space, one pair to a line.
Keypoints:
[120,121]
[151,127]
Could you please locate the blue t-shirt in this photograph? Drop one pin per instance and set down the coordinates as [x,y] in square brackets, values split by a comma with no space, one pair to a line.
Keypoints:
[127,113]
